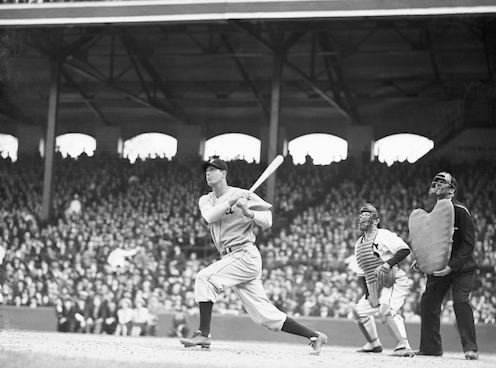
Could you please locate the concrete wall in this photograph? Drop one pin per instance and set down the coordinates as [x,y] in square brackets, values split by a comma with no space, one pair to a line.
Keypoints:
[341,332]
[470,145]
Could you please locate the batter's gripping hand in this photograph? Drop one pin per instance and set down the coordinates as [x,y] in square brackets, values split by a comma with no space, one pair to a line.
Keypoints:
[242,203]
[237,195]
[385,276]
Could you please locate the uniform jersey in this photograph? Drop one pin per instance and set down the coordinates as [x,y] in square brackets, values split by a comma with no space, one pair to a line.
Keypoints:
[233,228]
[239,269]
[385,246]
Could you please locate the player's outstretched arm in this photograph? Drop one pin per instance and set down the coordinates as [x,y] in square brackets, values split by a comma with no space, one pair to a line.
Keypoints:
[213,213]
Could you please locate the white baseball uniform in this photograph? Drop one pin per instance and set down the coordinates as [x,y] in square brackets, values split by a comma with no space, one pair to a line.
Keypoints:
[241,264]
[385,245]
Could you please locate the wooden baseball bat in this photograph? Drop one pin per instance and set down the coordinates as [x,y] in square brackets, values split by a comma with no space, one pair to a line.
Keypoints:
[268,172]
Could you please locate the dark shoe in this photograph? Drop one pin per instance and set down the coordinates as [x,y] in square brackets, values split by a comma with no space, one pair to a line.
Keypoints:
[197,340]
[471,355]
[429,354]
[375,349]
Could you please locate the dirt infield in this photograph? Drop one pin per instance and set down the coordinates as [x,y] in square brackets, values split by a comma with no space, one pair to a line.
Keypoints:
[24,349]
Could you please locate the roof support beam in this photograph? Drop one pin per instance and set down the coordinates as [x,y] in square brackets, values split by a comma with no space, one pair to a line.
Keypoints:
[435,67]
[332,62]
[88,103]
[47,203]
[132,49]
[275,108]
[295,69]
[245,76]
[135,98]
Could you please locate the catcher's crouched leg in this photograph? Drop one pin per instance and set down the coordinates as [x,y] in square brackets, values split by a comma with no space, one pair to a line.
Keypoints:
[395,325]
[367,326]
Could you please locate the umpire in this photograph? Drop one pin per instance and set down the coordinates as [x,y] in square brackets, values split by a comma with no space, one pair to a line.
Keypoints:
[458,274]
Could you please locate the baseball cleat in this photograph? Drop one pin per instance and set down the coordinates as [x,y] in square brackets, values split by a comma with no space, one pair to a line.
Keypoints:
[316,343]
[471,355]
[197,340]
[403,352]
[375,349]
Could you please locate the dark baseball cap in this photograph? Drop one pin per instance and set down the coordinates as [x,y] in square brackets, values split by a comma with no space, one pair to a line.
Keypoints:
[215,163]
[447,178]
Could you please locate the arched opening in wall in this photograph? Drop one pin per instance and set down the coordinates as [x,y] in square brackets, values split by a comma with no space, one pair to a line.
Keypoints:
[75,144]
[321,148]
[9,146]
[150,146]
[233,146]
[401,147]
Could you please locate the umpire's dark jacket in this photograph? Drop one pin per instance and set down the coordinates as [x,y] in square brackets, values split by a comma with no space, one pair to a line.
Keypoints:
[462,253]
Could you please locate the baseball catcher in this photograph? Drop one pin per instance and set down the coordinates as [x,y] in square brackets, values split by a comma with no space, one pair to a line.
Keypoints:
[378,252]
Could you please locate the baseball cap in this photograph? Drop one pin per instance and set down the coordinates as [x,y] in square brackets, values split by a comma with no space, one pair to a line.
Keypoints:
[215,163]
[446,178]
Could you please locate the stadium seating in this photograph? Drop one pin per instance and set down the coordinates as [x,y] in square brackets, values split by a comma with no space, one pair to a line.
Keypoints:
[138,238]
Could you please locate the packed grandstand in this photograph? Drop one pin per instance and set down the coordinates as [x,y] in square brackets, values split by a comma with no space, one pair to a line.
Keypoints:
[126,240]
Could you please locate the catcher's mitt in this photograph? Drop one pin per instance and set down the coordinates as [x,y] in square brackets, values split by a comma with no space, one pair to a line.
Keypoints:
[385,277]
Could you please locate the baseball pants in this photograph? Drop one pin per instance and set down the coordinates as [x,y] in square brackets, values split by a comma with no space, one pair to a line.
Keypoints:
[242,271]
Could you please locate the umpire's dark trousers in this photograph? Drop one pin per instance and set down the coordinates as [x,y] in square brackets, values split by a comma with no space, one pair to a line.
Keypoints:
[430,311]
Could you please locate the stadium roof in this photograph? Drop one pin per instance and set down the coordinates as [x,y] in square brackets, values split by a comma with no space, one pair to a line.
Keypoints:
[139,11]
[401,66]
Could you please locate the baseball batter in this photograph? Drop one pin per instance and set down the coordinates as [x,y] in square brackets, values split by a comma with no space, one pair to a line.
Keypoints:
[230,213]
[378,251]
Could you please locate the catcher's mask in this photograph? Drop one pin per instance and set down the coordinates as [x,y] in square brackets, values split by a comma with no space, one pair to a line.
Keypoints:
[443,184]
[367,216]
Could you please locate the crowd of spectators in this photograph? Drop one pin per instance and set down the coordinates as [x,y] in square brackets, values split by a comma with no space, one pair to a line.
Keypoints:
[126,240]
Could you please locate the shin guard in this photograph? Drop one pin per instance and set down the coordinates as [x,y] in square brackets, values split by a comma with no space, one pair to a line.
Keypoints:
[367,326]
[388,320]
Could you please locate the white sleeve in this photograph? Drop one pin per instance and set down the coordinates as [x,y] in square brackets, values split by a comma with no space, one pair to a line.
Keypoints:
[393,242]
[212,213]
[129,252]
[263,218]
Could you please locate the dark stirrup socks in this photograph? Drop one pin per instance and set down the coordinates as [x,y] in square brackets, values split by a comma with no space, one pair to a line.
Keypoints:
[205,317]
[293,327]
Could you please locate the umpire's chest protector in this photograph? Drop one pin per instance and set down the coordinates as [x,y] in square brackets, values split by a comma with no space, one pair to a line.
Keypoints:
[432,235]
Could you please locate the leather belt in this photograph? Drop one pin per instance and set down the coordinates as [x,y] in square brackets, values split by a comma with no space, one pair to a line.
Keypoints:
[232,248]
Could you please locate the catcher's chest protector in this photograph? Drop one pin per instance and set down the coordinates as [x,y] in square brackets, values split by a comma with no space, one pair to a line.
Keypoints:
[367,260]
[432,236]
